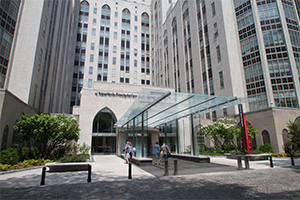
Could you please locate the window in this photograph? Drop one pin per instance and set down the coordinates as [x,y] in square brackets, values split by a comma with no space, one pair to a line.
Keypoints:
[93,31]
[135,18]
[135,74]
[116,14]
[213,9]
[215,31]
[113,74]
[40,59]
[92,46]
[221,80]
[114,60]
[135,38]
[218,53]
[266,137]
[170,1]
[94,21]
[91,58]
[90,83]
[126,80]
[121,80]
[135,52]
[115,35]
[135,63]
[135,28]
[95,10]
[116,25]
[115,49]
[45,26]
[91,70]
[225,112]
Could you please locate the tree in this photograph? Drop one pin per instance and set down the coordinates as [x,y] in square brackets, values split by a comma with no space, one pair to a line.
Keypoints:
[48,131]
[224,131]
[294,134]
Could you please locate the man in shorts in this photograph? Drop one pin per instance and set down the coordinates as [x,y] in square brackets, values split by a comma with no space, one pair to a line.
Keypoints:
[127,151]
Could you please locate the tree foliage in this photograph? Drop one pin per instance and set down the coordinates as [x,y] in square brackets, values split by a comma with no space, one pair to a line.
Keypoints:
[294,134]
[48,131]
[224,131]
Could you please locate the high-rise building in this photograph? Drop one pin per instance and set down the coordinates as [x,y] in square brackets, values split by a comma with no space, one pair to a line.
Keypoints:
[37,38]
[113,44]
[9,16]
[240,48]
[234,48]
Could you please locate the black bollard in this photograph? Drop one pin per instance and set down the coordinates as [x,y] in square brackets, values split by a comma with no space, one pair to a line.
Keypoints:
[43,176]
[175,167]
[166,168]
[90,174]
[129,171]
[292,159]
[271,162]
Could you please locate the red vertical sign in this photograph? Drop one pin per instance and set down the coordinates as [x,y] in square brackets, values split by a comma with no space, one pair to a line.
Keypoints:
[246,133]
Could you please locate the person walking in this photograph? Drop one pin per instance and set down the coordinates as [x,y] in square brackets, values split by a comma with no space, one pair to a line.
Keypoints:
[127,151]
[157,153]
[165,150]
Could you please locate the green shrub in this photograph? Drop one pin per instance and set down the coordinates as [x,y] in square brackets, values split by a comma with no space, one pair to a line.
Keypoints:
[188,149]
[35,153]
[9,156]
[255,151]
[4,167]
[27,153]
[228,148]
[218,149]
[73,158]
[282,154]
[266,148]
[84,149]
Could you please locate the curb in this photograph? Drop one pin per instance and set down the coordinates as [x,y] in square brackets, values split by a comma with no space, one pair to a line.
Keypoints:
[19,170]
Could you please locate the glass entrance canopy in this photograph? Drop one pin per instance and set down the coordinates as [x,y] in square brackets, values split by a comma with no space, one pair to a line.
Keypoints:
[164,106]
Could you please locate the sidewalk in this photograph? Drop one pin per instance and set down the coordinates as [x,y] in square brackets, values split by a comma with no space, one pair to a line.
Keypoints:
[216,180]
[113,168]
[104,168]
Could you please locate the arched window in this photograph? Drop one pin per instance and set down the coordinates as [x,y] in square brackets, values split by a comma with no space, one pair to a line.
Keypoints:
[297,119]
[104,121]
[266,137]
[4,138]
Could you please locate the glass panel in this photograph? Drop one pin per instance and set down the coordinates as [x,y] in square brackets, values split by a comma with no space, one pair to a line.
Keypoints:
[165,106]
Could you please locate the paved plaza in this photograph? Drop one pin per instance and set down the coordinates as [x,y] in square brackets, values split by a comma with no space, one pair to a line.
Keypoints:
[218,180]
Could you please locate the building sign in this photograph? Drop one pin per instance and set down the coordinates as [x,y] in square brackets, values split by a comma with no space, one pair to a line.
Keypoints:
[115,94]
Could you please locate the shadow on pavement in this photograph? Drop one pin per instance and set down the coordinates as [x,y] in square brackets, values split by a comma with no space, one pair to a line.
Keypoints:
[186,168]
[170,188]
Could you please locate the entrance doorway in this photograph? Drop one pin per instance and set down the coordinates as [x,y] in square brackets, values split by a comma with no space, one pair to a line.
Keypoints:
[104,132]
[104,145]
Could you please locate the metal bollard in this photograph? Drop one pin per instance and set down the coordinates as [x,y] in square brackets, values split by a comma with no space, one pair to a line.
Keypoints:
[175,167]
[129,171]
[271,162]
[90,174]
[166,168]
[247,166]
[43,176]
[292,160]
[239,162]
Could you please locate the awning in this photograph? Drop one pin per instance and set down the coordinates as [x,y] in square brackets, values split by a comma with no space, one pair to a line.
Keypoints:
[165,106]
